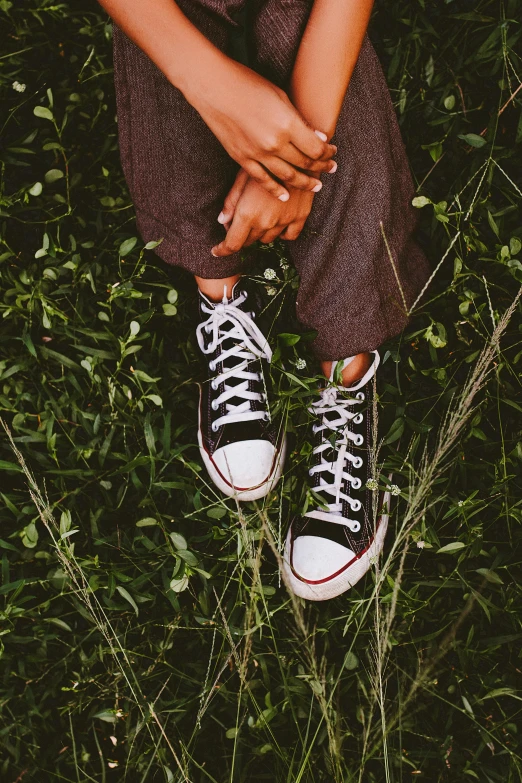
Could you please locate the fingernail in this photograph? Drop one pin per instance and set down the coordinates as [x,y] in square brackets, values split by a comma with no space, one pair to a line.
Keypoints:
[222,218]
[214,254]
[284,197]
[334,168]
[317,187]
[322,135]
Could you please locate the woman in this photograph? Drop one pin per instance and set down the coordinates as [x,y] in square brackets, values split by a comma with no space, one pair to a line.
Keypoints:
[219,155]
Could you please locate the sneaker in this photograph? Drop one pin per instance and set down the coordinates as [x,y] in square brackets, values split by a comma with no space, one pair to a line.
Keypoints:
[241,448]
[330,548]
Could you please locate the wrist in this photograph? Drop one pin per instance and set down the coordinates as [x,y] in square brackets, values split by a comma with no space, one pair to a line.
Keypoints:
[204,77]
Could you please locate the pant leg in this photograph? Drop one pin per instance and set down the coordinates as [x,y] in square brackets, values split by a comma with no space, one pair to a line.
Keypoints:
[177,172]
[354,290]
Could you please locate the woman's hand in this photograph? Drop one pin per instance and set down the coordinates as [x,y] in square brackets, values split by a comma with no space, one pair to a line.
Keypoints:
[250,214]
[260,129]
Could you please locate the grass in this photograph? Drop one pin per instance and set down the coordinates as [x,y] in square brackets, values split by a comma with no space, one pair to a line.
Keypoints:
[146,635]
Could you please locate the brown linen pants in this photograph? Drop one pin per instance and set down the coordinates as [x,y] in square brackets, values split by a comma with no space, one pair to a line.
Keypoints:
[179,174]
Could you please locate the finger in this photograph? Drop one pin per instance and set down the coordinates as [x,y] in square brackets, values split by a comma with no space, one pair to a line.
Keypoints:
[292,176]
[263,178]
[269,236]
[230,203]
[292,231]
[235,239]
[311,143]
[294,156]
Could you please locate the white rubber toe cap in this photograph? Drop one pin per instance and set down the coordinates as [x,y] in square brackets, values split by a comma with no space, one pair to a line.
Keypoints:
[245,464]
[315,558]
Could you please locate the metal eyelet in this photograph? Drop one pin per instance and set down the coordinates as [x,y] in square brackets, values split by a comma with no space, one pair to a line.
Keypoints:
[357,463]
[360,396]
[214,405]
[356,483]
[208,329]
[359,441]
[212,366]
[214,427]
[356,505]
[267,416]
[355,526]
[213,385]
[245,294]
[358,418]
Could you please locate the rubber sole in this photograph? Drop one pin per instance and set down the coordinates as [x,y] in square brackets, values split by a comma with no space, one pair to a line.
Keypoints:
[252,493]
[339,584]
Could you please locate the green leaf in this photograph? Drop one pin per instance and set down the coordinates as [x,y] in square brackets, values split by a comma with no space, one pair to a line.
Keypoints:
[30,536]
[453,547]
[421,201]
[108,716]
[351,661]
[490,575]
[127,246]
[10,466]
[53,175]
[395,431]
[36,189]
[43,112]
[147,522]
[178,540]
[172,296]
[189,557]
[169,309]
[128,597]
[473,139]
[179,585]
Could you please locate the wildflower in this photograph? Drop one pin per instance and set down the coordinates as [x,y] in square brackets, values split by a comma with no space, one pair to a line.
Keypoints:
[270,274]
[271,291]
[372,485]
[421,544]
[19,87]
[395,490]
[300,364]
[460,503]
[284,264]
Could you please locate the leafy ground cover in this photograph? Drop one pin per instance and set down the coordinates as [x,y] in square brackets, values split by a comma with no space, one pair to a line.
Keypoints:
[145,633]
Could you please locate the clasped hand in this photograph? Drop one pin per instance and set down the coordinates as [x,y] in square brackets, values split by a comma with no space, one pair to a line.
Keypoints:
[250,214]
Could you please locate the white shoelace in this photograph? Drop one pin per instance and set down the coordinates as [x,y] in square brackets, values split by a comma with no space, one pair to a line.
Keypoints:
[336,412]
[250,345]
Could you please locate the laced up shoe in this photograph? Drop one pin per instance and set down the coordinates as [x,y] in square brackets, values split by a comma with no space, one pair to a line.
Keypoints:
[241,448]
[330,548]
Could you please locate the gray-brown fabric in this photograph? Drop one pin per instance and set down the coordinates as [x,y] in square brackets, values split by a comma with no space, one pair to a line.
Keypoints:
[179,174]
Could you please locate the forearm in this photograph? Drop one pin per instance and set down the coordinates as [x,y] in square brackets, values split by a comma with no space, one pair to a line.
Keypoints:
[326,58]
[188,60]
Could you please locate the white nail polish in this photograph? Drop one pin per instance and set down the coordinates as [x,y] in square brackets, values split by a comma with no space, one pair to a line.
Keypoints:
[334,168]
[321,135]
[222,218]
[284,197]
[317,187]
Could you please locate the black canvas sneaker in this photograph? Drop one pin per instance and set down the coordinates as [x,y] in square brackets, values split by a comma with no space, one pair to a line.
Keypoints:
[330,548]
[241,448]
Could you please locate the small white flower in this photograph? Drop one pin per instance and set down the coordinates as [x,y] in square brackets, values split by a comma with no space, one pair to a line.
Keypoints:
[300,364]
[395,490]
[271,291]
[284,264]
[460,503]
[270,274]
[421,544]
[19,87]
[372,485]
